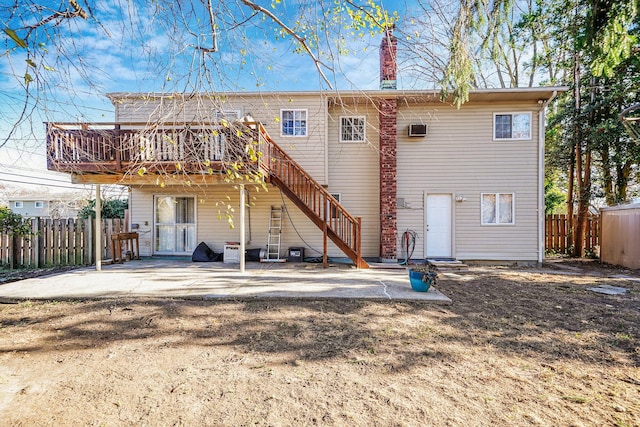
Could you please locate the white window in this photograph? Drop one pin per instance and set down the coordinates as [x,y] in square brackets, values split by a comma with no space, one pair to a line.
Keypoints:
[39,204]
[229,115]
[511,126]
[352,129]
[333,214]
[294,122]
[18,205]
[497,208]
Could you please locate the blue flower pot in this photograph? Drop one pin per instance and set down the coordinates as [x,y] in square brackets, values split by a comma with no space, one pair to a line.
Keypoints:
[420,281]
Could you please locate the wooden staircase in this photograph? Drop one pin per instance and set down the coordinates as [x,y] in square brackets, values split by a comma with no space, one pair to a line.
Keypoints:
[310,197]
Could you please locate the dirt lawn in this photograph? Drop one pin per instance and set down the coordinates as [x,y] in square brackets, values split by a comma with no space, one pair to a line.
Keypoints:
[518,346]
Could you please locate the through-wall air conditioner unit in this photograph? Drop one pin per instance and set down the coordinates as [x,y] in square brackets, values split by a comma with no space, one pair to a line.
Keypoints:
[417,130]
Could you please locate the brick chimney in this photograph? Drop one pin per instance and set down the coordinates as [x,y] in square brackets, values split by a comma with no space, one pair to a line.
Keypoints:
[388,148]
[388,48]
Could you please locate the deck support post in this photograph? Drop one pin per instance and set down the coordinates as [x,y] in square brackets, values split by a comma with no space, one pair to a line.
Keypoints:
[325,262]
[98,229]
[242,228]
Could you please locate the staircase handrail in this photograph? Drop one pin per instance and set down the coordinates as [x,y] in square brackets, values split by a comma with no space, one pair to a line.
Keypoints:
[316,201]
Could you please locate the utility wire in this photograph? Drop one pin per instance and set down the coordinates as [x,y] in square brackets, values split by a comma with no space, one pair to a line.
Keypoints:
[108,191]
[4,165]
[48,185]
[35,177]
[25,138]
[67,103]
[118,188]
[33,153]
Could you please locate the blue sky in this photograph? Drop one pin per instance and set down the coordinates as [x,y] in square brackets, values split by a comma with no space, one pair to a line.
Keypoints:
[136,50]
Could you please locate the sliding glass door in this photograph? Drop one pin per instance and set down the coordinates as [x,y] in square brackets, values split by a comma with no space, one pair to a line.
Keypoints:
[175,223]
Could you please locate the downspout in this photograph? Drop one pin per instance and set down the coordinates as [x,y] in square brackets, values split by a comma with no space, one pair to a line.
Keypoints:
[541,214]
[325,259]
[326,140]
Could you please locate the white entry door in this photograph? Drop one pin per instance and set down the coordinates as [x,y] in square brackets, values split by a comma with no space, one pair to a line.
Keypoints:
[438,226]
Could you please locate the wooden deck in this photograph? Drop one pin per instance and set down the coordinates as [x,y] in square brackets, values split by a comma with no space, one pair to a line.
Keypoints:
[142,150]
[138,148]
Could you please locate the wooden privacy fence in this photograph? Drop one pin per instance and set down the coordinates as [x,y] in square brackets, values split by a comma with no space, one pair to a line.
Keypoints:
[57,242]
[620,244]
[556,228]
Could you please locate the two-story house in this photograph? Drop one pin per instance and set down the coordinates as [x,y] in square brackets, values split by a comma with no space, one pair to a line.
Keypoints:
[378,174]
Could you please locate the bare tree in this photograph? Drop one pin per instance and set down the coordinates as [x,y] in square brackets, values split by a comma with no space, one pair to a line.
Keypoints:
[61,54]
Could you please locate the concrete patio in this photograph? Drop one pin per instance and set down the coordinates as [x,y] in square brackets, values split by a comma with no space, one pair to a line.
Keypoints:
[180,278]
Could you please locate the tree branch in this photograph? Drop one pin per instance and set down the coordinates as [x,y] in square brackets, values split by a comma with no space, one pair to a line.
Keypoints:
[61,15]
[319,64]
[214,47]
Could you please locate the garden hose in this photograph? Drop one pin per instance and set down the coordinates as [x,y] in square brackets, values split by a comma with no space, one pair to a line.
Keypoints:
[408,244]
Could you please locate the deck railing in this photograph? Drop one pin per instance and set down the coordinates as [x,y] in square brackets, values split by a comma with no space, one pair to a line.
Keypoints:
[73,147]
